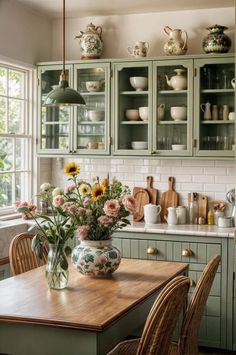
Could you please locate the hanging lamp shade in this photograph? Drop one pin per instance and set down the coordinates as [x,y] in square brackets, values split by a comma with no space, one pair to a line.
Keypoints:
[64,95]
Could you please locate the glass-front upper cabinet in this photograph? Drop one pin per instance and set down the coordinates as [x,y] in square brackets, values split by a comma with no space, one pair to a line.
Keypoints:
[91,126]
[132,108]
[214,106]
[172,107]
[55,123]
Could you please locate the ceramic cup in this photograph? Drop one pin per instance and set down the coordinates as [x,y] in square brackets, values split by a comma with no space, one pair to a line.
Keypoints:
[178,113]
[233,82]
[160,112]
[92,145]
[143,113]
[93,86]
[232,116]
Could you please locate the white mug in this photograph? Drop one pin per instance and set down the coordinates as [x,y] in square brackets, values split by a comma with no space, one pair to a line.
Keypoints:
[151,213]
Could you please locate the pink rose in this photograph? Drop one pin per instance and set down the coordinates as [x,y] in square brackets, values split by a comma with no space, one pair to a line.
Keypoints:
[105,220]
[87,201]
[58,201]
[111,208]
[69,189]
[83,231]
[130,204]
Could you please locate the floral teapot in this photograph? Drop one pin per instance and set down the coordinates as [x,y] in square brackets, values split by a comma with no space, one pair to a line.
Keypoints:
[178,81]
[91,43]
[175,45]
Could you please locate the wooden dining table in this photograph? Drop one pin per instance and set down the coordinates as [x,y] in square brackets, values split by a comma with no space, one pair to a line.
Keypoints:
[88,317]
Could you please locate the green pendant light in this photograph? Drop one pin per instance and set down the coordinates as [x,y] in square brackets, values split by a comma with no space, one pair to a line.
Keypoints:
[64,95]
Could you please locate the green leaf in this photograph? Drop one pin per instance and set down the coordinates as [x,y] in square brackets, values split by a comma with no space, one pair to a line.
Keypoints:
[64,264]
[68,250]
[112,255]
[23,209]
[88,258]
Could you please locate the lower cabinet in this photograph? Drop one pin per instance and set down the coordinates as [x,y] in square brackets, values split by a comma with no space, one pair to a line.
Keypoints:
[4,271]
[196,251]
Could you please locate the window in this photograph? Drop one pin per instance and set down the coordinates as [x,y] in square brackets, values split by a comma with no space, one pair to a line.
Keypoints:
[15,137]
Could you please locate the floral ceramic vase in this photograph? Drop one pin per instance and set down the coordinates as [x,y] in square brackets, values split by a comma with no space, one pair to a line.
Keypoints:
[57,273]
[91,43]
[96,257]
[216,41]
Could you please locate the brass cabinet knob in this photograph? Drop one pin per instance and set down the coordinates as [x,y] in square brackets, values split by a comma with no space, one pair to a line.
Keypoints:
[192,283]
[152,250]
[187,252]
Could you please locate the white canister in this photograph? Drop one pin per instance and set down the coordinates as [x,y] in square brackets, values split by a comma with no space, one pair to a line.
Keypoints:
[181,214]
[225,222]
[151,213]
[218,214]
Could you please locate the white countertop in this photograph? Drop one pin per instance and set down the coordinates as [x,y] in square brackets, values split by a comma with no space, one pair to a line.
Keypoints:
[180,229]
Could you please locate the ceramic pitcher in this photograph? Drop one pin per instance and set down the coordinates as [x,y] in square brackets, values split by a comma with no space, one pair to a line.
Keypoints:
[171,217]
[91,43]
[151,213]
[206,108]
[139,49]
[177,42]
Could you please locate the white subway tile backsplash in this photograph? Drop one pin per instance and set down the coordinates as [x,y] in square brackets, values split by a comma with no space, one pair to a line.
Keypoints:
[210,177]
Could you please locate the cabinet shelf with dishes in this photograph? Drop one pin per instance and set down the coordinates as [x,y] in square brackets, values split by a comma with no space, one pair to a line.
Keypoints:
[214,107]
[134,123]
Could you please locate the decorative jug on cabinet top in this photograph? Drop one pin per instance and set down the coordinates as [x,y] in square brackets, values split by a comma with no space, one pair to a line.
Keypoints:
[172,218]
[179,81]
[139,49]
[216,41]
[91,43]
[176,45]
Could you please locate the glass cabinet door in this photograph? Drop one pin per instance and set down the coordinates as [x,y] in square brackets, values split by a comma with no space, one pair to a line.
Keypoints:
[54,124]
[215,117]
[172,107]
[91,130]
[132,108]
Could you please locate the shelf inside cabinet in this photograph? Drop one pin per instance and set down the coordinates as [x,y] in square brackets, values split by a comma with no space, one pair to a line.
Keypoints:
[134,122]
[172,122]
[92,122]
[217,91]
[55,123]
[134,93]
[172,92]
[91,134]
[217,122]
[97,93]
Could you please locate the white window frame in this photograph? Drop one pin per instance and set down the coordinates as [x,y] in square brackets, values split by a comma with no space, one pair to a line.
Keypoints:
[28,134]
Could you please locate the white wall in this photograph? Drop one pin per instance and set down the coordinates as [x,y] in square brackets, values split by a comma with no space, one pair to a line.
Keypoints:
[24,35]
[119,32]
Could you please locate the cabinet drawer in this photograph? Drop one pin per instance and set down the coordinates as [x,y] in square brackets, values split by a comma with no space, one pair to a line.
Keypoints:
[201,253]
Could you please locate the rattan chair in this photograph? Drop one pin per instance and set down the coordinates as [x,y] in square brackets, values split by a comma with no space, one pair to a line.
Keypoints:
[188,340]
[22,257]
[161,321]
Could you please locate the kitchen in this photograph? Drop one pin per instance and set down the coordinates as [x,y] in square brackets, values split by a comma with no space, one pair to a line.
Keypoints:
[39,40]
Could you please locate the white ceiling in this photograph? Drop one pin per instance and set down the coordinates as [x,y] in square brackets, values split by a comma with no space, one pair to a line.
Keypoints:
[84,8]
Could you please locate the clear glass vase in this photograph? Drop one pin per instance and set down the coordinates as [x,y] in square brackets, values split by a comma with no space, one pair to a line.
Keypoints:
[57,273]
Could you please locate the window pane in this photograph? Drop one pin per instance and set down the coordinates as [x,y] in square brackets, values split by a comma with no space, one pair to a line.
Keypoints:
[16,84]
[3,81]
[16,116]
[21,149]
[22,187]
[5,190]
[6,154]
[3,114]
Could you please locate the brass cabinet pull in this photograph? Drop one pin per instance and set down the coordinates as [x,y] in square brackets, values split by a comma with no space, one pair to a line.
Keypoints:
[152,250]
[187,252]
[192,283]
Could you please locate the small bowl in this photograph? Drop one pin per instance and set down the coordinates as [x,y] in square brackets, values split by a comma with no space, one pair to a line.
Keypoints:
[143,113]
[178,113]
[139,145]
[93,86]
[139,83]
[132,114]
[232,116]
[96,115]
[178,147]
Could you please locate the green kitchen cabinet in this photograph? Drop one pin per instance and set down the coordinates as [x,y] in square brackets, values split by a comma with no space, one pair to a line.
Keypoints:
[214,99]
[103,126]
[232,291]
[197,251]
[4,271]
[75,130]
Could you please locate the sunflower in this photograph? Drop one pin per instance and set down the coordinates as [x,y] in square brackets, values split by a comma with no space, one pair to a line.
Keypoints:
[84,189]
[98,192]
[72,169]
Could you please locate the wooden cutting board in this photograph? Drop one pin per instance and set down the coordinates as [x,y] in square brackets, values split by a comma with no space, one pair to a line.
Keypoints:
[142,197]
[202,207]
[153,193]
[170,198]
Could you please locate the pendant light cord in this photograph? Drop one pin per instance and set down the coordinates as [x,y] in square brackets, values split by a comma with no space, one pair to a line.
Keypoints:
[63,73]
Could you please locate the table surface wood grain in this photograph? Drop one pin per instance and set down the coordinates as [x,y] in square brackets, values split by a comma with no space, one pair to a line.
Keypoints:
[87,303]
